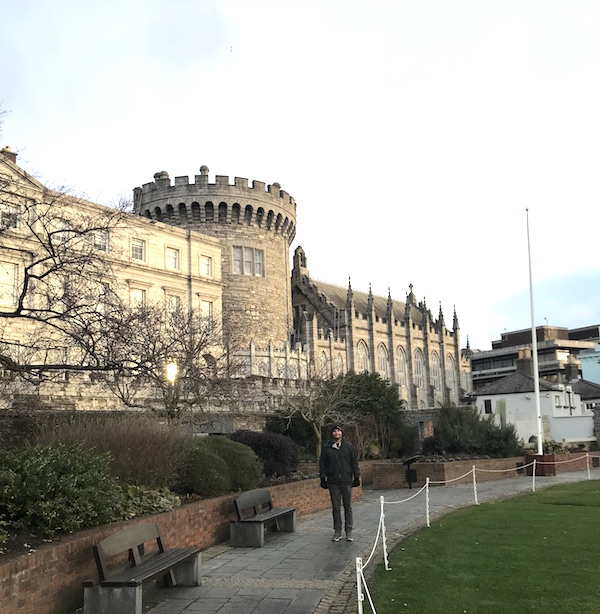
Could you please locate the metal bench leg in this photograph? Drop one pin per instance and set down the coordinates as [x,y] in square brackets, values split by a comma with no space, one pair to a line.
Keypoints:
[112,600]
[188,572]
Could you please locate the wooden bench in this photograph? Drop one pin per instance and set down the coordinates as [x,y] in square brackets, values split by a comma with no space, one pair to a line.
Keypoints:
[119,591]
[254,511]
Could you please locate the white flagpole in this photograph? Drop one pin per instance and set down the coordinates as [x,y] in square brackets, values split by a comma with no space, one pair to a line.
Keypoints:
[536,375]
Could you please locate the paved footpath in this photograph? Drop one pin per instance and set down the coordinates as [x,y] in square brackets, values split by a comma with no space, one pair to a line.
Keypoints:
[305,572]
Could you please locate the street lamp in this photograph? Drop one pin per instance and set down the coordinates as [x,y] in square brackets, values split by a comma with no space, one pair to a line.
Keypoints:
[171,371]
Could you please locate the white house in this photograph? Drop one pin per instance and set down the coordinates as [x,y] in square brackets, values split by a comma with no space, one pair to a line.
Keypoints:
[511,400]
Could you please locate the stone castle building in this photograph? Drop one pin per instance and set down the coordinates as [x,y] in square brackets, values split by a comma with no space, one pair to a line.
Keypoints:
[303,325]
[225,248]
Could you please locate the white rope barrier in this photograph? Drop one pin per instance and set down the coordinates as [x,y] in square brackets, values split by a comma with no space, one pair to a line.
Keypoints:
[361,584]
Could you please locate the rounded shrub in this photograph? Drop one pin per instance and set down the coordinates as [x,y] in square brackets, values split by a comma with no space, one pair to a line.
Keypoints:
[205,473]
[278,453]
[47,489]
[245,468]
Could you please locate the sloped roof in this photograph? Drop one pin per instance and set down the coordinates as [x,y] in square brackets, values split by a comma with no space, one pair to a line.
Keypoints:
[585,389]
[514,383]
[339,294]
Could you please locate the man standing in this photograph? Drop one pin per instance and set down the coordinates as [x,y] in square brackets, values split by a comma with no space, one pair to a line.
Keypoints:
[338,469]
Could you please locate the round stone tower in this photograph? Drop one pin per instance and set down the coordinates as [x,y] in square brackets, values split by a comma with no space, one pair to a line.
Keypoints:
[255,226]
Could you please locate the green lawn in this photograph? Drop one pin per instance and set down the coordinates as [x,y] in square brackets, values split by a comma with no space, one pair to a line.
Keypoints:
[537,553]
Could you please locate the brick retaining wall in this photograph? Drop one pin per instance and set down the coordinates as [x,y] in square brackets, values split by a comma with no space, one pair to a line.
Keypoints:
[49,581]
[391,474]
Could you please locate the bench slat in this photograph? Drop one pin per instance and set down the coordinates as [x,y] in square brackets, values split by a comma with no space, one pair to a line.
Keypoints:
[151,568]
[276,512]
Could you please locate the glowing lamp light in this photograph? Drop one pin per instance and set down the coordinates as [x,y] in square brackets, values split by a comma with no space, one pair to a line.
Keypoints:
[171,372]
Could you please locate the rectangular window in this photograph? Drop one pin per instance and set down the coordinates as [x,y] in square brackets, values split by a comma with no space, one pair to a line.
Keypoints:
[172,258]
[206,266]
[248,261]
[101,240]
[9,217]
[138,249]
[259,262]
[138,297]
[557,402]
[8,284]
[174,302]
[487,404]
[206,309]
[238,254]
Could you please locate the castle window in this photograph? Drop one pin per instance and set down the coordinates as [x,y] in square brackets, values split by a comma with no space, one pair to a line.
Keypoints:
[248,261]
[382,362]
[450,372]
[435,370]
[401,367]
[138,297]
[206,265]
[206,313]
[172,258]
[8,284]
[101,240]
[419,369]
[138,249]
[9,216]
[363,357]
[340,365]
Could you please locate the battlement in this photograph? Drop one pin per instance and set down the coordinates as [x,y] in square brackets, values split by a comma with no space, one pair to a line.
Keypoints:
[259,189]
[200,203]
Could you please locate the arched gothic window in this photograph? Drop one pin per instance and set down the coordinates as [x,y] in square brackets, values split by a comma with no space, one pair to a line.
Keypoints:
[323,370]
[418,368]
[435,370]
[363,357]
[450,371]
[340,365]
[382,362]
[402,362]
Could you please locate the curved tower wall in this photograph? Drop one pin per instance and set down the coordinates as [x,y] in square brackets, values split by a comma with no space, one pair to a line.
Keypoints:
[257,223]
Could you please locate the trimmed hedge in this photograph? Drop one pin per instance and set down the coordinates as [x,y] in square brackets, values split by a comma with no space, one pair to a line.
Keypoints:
[47,489]
[278,453]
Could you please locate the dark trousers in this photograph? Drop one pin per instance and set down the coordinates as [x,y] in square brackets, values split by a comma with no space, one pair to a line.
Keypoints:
[338,495]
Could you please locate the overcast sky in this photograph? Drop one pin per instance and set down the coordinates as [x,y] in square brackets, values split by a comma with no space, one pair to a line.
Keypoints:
[413,135]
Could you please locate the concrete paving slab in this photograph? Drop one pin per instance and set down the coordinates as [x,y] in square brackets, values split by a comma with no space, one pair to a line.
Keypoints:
[305,572]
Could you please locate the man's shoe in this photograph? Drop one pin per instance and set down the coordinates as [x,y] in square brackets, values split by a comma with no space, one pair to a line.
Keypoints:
[336,536]
[349,537]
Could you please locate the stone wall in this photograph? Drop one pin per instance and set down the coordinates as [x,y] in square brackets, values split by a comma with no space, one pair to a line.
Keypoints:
[49,581]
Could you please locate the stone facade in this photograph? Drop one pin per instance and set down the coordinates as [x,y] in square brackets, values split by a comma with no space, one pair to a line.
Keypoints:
[402,341]
[227,247]
[255,227]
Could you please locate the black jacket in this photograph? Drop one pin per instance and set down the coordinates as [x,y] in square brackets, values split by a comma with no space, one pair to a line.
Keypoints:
[339,466]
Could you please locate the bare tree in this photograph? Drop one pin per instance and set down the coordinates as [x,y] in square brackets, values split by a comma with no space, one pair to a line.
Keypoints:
[149,341]
[318,401]
[57,284]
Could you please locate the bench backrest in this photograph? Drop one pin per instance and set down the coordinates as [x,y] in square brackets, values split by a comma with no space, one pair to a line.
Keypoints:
[252,503]
[131,540]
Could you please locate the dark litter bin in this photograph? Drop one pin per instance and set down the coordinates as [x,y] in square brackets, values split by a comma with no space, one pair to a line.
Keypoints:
[411,474]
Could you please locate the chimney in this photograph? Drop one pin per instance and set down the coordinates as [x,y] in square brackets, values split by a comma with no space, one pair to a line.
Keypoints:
[9,155]
[571,369]
[525,361]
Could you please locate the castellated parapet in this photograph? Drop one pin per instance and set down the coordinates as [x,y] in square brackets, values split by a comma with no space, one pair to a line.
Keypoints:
[255,226]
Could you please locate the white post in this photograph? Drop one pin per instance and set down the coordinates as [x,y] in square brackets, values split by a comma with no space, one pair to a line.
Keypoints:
[534,463]
[359,592]
[383,538]
[427,501]
[536,375]
[475,486]
[587,460]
